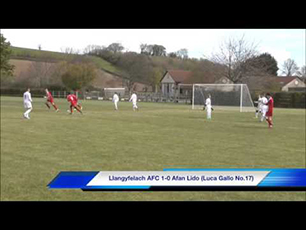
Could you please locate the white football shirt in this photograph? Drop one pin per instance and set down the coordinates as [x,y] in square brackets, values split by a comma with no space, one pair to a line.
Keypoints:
[115,98]
[27,97]
[134,98]
[264,100]
[208,102]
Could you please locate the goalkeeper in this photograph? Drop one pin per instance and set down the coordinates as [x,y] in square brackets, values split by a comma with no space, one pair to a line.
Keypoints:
[115,100]
[208,107]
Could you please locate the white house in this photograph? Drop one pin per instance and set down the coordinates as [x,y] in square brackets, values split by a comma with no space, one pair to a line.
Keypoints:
[291,83]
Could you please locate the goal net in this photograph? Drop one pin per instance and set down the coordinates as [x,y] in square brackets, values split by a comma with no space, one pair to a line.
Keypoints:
[223,96]
[109,92]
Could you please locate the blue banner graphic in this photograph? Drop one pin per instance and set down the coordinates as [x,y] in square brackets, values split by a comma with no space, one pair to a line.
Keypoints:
[184,180]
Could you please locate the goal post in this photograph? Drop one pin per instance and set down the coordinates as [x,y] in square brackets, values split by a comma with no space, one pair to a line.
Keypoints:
[193,96]
[223,96]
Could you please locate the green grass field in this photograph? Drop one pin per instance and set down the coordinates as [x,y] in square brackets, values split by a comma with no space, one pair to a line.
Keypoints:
[158,136]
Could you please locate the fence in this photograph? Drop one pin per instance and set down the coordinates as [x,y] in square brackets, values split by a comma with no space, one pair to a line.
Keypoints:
[290,99]
[281,99]
[159,97]
[97,95]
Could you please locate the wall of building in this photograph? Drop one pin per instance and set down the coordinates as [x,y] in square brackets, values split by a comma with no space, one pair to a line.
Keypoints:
[293,84]
[168,85]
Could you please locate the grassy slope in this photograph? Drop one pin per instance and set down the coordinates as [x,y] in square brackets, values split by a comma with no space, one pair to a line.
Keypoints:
[24,53]
[158,136]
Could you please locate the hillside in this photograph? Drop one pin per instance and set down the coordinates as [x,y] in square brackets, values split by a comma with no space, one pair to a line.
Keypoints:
[116,69]
[25,67]
[30,62]
[50,56]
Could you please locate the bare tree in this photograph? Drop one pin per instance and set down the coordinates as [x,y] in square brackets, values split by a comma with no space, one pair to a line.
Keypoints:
[70,50]
[40,73]
[88,49]
[93,49]
[233,54]
[182,53]
[72,55]
[302,73]
[290,67]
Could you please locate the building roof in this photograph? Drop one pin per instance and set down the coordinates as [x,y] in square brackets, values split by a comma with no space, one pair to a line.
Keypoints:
[180,76]
[284,80]
[203,78]
[267,81]
[189,77]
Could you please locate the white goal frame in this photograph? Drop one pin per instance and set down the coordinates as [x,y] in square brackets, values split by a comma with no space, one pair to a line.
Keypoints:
[241,93]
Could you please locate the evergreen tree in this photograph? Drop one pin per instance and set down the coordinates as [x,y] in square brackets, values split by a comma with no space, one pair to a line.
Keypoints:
[266,63]
[6,68]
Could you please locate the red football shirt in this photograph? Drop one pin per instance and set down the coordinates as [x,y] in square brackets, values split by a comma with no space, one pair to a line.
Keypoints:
[270,105]
[49,97]
[75,97]
[72,99]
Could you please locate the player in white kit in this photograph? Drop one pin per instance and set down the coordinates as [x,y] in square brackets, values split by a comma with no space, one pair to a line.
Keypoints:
[115,100]
[134,100]
[264,108]
[208,107]
[259,106]
[27,102]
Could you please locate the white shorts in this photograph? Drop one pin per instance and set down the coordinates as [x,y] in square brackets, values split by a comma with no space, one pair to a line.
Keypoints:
[135,104]
[264,109]
[27,105]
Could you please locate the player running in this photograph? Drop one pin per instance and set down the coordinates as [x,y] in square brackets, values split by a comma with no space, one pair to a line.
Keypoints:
[50,100]
[115,100]
[27,102]
[74,103]
[134,100]
[270,110]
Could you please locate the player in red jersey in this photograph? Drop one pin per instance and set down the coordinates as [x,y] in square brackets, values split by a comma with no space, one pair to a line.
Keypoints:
[74,103]
[269,114]
[50,100]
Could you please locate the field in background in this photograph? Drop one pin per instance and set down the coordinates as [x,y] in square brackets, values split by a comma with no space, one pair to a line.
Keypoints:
[50,56]
[26,62]
[158,136]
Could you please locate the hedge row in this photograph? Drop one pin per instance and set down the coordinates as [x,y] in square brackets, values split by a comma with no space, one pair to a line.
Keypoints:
[289,99]
[20,92]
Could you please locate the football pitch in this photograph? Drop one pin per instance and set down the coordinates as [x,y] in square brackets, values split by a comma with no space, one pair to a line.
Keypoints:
[158,136]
